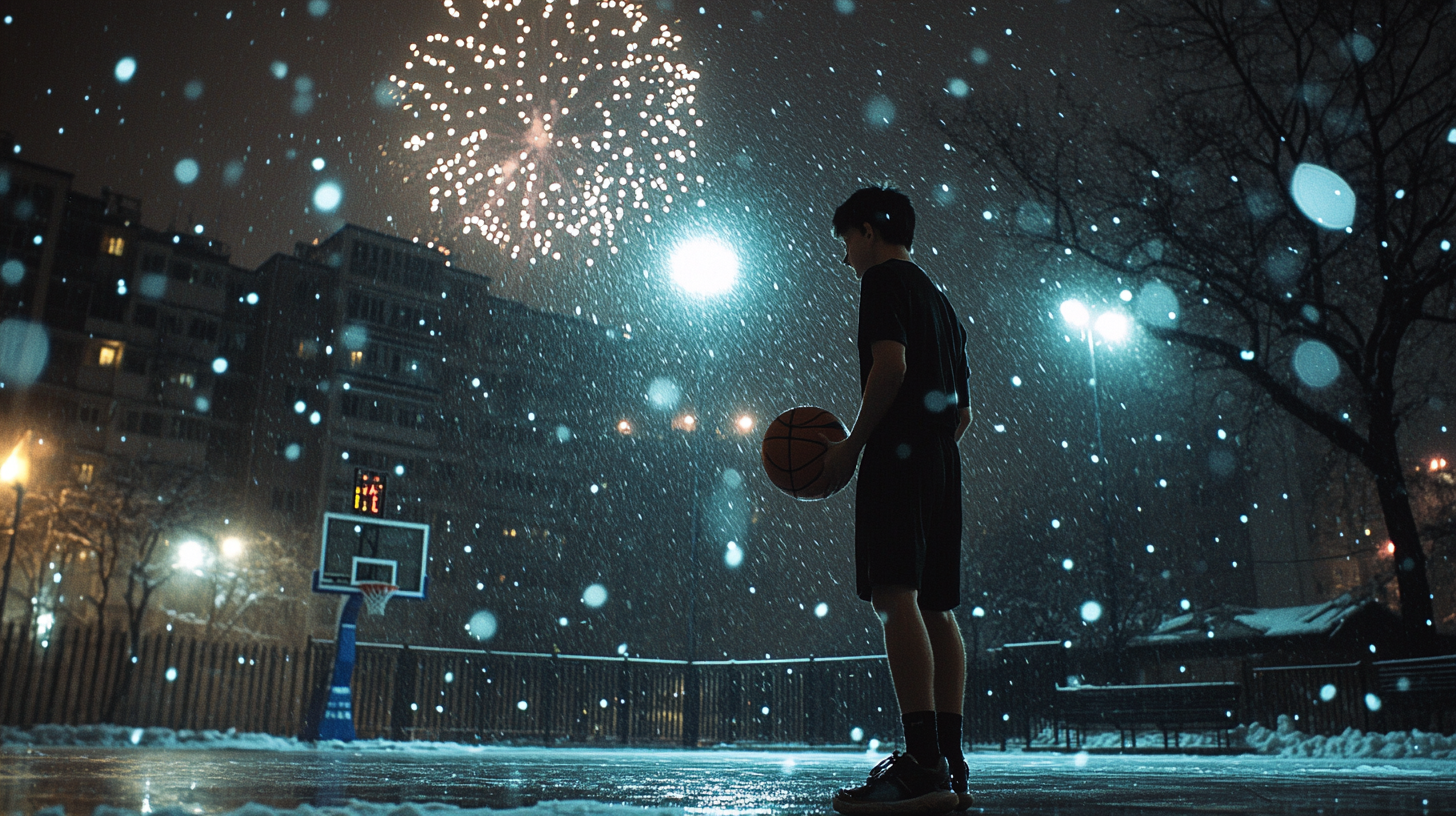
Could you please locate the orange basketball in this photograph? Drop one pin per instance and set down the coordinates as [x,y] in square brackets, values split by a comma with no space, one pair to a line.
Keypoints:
[793,449]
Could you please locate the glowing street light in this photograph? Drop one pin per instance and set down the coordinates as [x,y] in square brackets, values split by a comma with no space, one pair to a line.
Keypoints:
[190,556]
[232,547]
[1075,313]
[704,267]
[1113,326]
[745,423]
[16,473]
[624,427]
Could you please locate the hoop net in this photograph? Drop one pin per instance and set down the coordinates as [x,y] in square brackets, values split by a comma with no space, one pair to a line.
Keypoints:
[376,596]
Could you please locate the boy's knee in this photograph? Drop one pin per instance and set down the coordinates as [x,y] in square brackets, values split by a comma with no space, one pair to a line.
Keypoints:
[890,599]
[944,619]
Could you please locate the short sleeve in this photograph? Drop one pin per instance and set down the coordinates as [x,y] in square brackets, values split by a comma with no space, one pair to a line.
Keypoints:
[963,369]
[883,309]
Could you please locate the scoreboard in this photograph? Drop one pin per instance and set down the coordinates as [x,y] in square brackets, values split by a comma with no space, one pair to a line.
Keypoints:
[368,492]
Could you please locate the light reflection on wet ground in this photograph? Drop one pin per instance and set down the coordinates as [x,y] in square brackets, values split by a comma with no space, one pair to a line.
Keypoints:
[713,783]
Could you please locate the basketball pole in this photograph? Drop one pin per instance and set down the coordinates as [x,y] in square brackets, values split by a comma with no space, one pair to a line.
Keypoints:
[337,721]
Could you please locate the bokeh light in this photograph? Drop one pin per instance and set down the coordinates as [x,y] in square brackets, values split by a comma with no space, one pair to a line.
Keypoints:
[482,625]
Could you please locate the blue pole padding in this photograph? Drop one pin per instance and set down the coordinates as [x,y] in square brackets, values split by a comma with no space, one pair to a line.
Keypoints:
[337,722]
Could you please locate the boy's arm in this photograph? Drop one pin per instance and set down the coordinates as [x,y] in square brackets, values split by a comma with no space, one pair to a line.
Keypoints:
[886,374]
[963,424]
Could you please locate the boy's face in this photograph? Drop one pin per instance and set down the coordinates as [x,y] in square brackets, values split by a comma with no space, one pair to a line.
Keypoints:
[859,249]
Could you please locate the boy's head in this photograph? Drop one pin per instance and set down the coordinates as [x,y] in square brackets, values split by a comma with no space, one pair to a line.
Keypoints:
[885,209]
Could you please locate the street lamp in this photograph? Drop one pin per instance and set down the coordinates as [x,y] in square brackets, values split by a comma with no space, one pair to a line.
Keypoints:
[15,472]
[232,547]
[702,268]
[1114,327]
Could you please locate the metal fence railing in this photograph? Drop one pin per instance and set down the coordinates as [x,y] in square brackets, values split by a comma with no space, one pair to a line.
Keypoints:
[82,676]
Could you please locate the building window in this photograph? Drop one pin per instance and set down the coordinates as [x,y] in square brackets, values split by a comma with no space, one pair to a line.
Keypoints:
[109,355]
[89,414]
[85,472]
[186,379]
[307,349]
[356,359]
[115,245]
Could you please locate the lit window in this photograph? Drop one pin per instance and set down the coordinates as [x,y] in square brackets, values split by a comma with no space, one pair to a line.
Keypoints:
[115,245]
[356,358]
[85,472]
[108,356]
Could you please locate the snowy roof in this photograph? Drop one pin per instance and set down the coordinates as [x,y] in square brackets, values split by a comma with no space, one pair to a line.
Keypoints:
[1229,622]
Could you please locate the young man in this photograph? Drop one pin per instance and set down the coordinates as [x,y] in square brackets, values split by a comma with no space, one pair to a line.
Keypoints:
[914,408]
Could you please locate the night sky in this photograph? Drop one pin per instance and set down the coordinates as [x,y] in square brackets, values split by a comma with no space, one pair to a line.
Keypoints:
[800,102]
[787,95]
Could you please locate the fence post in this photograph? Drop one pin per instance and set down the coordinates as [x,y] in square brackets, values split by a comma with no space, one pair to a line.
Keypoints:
[690,708]
[401,717]
[624,702]
[548,707]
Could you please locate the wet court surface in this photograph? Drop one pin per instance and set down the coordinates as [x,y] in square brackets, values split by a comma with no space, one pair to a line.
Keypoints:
[720,783]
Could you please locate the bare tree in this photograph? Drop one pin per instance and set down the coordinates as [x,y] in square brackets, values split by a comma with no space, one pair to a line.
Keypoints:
[125,520]
[1186,192]
[263,578]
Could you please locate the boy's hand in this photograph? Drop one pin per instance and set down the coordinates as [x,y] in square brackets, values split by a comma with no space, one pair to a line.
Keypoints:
[840,460]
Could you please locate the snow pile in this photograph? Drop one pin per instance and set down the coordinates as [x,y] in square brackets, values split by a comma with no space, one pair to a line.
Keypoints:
[1104,740]
[358,808]
[1285,740]
[121,736]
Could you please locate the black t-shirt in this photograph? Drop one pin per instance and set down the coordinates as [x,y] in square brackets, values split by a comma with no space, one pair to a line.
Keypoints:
[899,302]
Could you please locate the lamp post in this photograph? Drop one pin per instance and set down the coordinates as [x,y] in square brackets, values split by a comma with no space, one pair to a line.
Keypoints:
[15,472]
[701,268]
[1114,327]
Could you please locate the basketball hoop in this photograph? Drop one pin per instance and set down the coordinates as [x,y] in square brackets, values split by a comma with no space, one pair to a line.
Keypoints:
[376,596]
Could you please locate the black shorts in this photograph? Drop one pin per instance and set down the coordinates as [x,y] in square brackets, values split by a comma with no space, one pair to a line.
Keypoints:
[907,519]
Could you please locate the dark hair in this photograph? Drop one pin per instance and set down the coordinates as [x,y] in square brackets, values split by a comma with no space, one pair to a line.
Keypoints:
[886,209]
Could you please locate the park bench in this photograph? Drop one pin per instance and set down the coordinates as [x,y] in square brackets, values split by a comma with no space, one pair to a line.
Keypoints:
[1171,708]
[1419,690]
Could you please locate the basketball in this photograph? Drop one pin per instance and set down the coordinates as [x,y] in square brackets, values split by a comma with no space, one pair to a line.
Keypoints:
[793,450]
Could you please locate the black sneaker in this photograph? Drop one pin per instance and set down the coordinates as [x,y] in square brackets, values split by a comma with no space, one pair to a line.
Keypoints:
[960,774]
[900,786]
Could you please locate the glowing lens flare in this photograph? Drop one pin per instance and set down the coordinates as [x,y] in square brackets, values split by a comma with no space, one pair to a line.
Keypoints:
[550,124]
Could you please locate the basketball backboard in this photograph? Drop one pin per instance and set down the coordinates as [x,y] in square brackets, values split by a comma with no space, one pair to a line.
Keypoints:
[358,550]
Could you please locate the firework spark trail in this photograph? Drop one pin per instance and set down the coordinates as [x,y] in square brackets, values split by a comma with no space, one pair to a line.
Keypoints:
[561,118]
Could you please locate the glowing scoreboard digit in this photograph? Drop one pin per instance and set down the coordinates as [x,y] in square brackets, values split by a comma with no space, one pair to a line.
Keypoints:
[368,492]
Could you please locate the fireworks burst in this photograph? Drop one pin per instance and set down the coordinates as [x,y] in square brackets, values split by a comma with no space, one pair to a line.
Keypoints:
[564,118]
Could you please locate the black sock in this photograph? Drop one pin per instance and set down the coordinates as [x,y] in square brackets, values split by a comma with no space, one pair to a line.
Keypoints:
[920,741]
[948,735]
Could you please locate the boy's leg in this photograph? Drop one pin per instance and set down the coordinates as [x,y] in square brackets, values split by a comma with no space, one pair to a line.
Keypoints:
[912,668]
[948,650]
